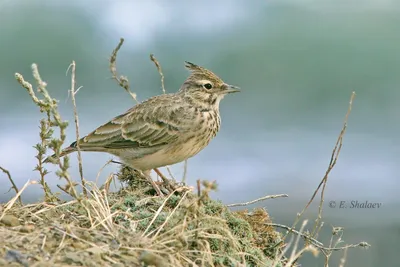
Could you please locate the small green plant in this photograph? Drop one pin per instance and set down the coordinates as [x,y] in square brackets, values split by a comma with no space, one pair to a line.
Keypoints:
[49,106]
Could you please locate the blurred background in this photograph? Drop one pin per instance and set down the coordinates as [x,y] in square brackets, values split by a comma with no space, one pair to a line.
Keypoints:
[297,63]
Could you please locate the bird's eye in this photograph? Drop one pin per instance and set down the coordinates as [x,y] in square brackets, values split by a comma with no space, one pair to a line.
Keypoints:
[208,86]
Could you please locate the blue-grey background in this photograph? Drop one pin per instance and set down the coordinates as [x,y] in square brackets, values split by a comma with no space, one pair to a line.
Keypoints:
[297,63]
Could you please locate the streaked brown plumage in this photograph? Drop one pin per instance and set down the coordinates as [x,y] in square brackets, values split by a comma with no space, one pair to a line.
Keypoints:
[165,129]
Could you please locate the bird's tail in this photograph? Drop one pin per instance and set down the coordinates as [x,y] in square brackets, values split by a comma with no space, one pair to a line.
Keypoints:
[64,152]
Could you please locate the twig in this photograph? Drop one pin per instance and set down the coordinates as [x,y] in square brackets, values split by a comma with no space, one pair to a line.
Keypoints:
[170,173]
[295,254]
[335,155]
[317,243]
[362,244]
[185,165]
[280,254]
[256,200]
[159,69]
[121,80]
[198,189]
[332,163]
[65,190]
[12,182]
[152,57]
[313,240]
[73,93]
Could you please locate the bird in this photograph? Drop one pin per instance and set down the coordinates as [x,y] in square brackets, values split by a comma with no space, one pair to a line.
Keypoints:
[165,129]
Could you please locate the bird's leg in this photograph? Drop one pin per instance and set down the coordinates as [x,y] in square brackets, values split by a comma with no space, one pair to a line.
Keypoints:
[165,179]
[155,186]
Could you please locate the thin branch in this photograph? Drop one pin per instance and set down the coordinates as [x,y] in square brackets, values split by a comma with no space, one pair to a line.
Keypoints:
[153,58]
[198,188]
[362,244]
[170,173]
[121,80]
[313,240]
[159,69]
[334,156]
[317,243]
[256,200]
[333,163]
[73,93]
[12,182]
[296,254]
[185,165]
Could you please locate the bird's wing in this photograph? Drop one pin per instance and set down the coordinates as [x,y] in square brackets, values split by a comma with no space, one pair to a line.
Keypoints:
[141,126]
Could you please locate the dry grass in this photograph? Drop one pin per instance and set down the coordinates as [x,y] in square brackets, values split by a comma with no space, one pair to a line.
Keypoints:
[133,227]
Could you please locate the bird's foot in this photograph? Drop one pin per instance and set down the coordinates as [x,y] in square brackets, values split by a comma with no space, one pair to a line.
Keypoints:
[155,186]
[167,183]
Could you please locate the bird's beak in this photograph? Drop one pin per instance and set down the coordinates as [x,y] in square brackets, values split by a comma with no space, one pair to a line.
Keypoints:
[231,89]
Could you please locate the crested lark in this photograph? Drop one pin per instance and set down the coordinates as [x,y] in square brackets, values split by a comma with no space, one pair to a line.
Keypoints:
[165,129]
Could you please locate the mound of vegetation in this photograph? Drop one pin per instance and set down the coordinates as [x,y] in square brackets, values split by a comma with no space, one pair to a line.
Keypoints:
[135,228]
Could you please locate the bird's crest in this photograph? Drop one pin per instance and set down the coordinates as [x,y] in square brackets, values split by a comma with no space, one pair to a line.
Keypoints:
[199,73]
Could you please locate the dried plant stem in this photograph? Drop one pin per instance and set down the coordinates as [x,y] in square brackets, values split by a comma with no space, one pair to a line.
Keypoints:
[170,215]
[185,165]
[256,200]
[76,117]
[157,213]
[305,236]
[327,251]
[45,134]
[332,163]
[294,256]
[45,105]
[49,105]
[10,203]
[121,80]
[101,169]
[158,66]
[14,186]
[159,69]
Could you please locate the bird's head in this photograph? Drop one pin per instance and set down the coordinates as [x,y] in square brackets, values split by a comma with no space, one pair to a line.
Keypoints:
[204,86]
